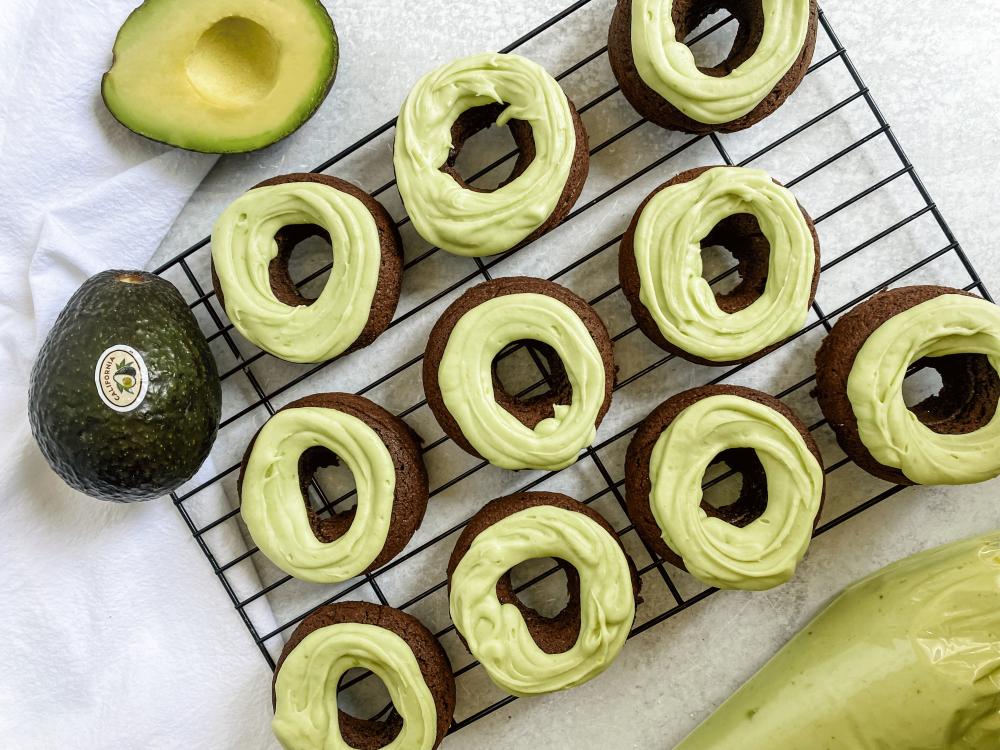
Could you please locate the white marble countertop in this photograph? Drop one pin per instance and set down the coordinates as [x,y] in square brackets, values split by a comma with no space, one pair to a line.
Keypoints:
[933,75]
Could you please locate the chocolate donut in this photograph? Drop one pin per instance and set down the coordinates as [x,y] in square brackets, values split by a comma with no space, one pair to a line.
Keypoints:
[523,652]
[950,438]
[468,400]
[448,106]
[255,236]
[659,76]
[381,451]
[394,646]
[755,543]
[761,224]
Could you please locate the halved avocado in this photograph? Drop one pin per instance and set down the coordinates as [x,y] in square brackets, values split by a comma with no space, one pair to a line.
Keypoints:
[221,76]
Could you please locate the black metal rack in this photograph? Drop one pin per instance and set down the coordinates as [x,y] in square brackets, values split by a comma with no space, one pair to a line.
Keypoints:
[914,220]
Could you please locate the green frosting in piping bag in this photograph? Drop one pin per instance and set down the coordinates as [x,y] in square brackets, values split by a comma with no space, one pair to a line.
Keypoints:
[906,659]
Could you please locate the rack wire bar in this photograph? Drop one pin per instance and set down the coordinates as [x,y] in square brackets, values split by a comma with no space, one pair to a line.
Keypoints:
[608,469]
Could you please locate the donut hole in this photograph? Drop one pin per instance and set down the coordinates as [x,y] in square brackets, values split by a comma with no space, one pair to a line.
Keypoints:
[492,142]
[304,260]
[329,492]
[735,259]
[529,379]
[547,593]
[722,51]
[367,716]
[734,488]
[953,395]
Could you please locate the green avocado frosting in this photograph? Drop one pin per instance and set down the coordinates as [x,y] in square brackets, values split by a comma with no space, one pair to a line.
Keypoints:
[667,249]
[497,634]
[668,66]
[463,221]
[243,247]
[947,324]
[275,512]
[764,553]
[466,381]
[906,659]
[305,691]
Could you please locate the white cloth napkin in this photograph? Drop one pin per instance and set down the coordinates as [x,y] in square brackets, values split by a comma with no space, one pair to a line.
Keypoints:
[116,632]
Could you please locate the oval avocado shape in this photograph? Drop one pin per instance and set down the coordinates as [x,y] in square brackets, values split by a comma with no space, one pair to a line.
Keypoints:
[125,399]
[221,77]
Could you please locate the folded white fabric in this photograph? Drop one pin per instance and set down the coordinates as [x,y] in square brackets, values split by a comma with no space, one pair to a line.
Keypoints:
[117,633]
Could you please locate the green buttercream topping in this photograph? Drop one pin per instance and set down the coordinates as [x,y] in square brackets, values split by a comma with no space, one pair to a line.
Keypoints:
[305,709]
[243,247]
[466,382]
[667,248]
[669,68]
[906,658]
[944,325]
[463,221]
[764,553]
[272,503]
[496,633]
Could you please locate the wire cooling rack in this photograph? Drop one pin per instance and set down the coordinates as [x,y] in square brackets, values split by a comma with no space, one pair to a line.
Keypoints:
[830,143]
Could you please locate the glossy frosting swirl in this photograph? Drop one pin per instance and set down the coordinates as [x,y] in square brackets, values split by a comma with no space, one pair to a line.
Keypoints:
[497,634]
[669,68]
[305,690]
[465,380]
[947,324]
[764,553]
[667,249]
[272,503]
[463,221]
[243,247]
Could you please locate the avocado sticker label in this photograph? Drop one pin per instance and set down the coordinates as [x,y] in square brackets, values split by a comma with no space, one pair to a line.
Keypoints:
[121,378]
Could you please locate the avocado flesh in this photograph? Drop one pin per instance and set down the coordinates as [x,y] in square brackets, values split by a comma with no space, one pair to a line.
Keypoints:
[159,444]
[221,76]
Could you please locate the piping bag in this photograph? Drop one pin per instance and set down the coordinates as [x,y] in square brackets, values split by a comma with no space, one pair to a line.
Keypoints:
[907,658]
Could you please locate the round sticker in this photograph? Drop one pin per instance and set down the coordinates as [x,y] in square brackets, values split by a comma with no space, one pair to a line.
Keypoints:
[121,378]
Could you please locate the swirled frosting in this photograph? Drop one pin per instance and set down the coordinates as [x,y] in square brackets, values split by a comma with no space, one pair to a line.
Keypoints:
[497,634]
[272,503]
[243,247]
[764,553]
[906,658]
[465,380]
[947,324]
[667,249]
[305,690]
[669,68]
[463,221]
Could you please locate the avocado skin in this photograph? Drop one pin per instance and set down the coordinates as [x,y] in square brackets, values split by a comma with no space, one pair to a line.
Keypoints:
[153,449]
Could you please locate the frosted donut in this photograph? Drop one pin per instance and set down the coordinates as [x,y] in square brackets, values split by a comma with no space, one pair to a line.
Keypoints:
[251,245]
[755,543]
[523,652]
[763,226]
[435,120]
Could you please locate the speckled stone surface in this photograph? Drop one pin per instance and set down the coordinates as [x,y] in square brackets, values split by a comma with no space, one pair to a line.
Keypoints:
[930,72]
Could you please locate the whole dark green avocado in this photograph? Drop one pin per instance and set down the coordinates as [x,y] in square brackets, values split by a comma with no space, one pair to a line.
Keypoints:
[114,425]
